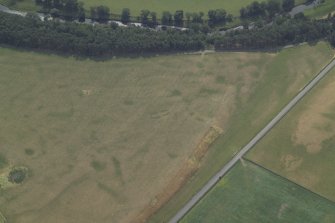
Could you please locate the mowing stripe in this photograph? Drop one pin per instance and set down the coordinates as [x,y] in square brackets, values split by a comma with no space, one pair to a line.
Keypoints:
[290,181]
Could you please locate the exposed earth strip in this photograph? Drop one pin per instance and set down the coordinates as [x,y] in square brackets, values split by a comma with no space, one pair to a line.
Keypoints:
[212,182]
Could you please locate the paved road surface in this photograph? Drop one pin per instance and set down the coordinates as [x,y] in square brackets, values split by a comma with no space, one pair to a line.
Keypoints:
[210,184]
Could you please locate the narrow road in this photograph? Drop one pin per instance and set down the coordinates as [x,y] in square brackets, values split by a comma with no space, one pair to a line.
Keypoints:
[211,183]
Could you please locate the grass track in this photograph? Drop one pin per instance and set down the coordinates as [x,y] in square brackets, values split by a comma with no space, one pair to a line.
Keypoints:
[252,194]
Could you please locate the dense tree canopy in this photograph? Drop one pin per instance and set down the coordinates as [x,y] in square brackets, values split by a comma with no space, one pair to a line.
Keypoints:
[284,31]
[179,18]
[100,13]
[217,16]
[167,18]
[68,9]
[101,40]
[125,16]
[87,40]
[266,9]
[288,5]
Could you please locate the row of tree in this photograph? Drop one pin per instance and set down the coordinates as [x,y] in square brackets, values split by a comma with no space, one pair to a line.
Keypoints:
[266,9]
[87,40]
[72,9]
[67,9]
[101,40]
[283,32]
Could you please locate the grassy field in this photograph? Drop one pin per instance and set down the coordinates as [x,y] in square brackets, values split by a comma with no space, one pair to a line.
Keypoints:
[322,10]
[111,141]
[280,78]
[96,135]
[116,6]
[158,6]
[251,194]
[102,139]
[302,146]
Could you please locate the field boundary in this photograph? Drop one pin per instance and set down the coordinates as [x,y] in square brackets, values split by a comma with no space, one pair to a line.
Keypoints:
[288,180]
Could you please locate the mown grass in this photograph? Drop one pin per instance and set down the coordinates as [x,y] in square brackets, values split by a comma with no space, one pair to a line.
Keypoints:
[282,78]
[302,146]
[249,193]
[322,10]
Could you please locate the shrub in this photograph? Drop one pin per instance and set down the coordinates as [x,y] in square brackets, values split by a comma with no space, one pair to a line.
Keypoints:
[17,176]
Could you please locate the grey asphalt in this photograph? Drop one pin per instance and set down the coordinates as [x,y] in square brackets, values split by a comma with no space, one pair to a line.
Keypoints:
[212,182]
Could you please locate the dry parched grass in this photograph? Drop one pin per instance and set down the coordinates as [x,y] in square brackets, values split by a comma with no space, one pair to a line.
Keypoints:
[112,141]
[105,140]
[190,166]
[314,126]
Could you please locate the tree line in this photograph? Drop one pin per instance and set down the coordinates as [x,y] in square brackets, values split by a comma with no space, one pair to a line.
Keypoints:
[94,41]
[108,40]
[266,9]
[284,31]
[72,9]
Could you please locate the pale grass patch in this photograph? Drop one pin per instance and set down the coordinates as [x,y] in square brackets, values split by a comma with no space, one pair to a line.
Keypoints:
[313,127]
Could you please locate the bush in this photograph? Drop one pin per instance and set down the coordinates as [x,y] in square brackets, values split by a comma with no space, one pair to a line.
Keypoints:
[17,176]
